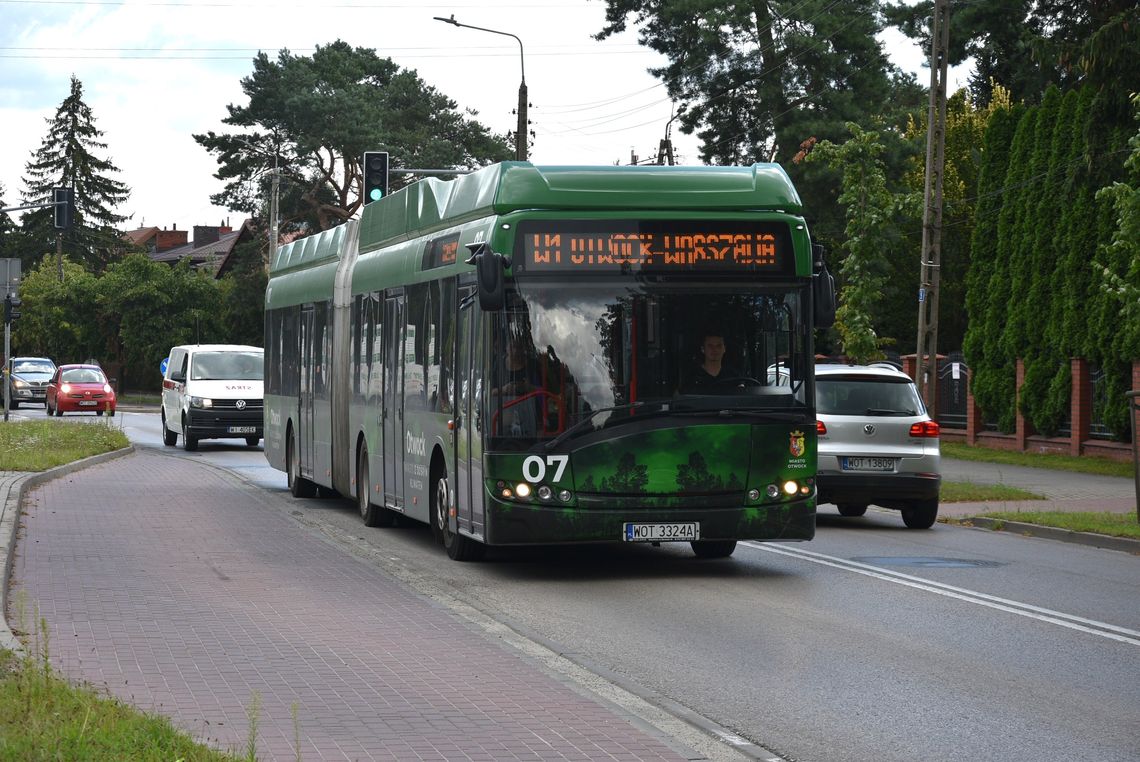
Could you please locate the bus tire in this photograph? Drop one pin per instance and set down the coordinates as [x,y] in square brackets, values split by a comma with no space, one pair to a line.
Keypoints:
[713,548]
[299,486]
[851,509]
[921,514]
[169,438]
[458,547]
[373,515]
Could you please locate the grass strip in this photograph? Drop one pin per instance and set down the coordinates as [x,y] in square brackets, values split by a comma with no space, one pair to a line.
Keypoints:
[43,717]
[1084,464]
[1112,524]
[38,445]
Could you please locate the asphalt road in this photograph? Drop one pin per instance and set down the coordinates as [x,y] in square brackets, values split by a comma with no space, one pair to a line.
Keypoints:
[872,642]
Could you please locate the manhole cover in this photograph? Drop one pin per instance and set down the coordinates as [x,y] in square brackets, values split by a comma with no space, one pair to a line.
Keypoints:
[927,561]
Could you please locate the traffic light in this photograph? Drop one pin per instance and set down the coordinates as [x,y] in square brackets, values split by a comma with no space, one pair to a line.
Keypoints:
[11,308]
[375,175]
[64,200]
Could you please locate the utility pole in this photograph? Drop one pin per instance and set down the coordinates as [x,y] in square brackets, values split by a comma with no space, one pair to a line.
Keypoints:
[273,233]
[926,348]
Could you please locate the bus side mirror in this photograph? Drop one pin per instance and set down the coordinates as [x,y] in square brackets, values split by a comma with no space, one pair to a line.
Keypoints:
[823,296]
[489,267]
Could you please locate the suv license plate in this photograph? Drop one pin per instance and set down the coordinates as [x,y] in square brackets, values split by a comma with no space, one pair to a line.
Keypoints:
[686,531]
[243,429]
[868,464]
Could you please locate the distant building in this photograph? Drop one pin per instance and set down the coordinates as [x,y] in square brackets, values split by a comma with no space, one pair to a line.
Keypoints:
[210,249]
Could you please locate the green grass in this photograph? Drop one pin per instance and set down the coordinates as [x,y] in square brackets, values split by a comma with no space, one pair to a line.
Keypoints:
[1113,524]
[969,492]
[44,717]
[1084,465]
[38,445]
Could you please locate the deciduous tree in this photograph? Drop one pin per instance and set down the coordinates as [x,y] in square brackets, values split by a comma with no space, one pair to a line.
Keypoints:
[311,118]
[754,80]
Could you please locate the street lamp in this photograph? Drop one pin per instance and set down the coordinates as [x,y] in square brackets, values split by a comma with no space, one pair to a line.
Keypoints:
[521,130]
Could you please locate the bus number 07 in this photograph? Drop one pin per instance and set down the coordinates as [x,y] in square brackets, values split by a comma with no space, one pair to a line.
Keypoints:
[534,468]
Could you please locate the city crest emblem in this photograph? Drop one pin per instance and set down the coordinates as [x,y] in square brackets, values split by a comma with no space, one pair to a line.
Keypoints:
[796,443]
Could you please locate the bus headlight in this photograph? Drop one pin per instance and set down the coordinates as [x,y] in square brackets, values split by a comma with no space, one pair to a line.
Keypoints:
[564,495]
[545,493]
[790,488]
[753,495]
[522,489]
[772,491]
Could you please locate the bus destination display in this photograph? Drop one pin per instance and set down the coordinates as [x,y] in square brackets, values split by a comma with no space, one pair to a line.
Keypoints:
[654,246]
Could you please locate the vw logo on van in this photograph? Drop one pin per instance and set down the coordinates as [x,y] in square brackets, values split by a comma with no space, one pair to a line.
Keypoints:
[240,404]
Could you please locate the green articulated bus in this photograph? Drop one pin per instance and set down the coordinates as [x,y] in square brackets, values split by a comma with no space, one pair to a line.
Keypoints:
[567,354]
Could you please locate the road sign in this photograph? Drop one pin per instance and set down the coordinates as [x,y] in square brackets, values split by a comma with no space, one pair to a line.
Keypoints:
[163,364]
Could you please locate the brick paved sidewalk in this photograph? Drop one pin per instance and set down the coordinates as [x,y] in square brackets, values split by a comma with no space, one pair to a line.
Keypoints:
[186,592]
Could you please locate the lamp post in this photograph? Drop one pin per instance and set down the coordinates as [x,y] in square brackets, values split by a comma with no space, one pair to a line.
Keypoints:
[520,130]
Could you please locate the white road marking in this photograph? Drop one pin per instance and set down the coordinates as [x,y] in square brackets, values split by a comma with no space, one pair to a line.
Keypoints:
[1090,626]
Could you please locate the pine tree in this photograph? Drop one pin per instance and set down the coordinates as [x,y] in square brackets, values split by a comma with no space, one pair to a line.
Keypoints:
[66,158]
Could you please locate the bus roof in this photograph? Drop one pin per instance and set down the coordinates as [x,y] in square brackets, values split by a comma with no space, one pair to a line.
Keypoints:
[433,204]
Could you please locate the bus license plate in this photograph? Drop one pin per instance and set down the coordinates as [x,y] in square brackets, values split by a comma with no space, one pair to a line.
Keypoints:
[869,464]
[686,531]
[243,429]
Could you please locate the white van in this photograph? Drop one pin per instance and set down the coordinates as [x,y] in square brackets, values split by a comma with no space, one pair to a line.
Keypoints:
[213,391]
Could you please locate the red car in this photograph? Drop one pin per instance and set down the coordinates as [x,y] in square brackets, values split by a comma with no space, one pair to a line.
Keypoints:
[79,389]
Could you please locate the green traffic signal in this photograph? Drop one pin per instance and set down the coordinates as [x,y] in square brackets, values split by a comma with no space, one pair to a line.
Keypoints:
[375,194]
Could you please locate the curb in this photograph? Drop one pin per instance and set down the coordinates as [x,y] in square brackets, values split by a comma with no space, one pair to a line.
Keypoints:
[10,522]
[1123,544]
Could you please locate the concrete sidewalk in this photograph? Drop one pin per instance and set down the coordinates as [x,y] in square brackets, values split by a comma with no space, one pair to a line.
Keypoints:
[185,591]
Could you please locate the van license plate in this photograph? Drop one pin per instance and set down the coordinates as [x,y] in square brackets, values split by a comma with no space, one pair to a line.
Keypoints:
[243,429]
[663,532]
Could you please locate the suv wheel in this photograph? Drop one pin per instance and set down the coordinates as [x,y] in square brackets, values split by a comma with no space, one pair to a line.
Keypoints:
[921,514]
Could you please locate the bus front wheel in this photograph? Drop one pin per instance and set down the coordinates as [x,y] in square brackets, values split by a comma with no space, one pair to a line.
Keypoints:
[713,548]
[458,547]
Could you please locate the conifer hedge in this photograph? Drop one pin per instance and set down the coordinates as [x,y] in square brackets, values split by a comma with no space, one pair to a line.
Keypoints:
[1037,288]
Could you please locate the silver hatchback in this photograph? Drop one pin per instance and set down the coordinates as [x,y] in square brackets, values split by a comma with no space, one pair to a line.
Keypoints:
[877,445]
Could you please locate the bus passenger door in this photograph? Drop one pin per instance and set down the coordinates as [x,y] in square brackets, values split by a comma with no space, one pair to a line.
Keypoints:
[392,404]
[305,402]
[469,447]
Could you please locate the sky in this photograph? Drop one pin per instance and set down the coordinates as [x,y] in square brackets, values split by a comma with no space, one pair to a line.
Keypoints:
[156,72]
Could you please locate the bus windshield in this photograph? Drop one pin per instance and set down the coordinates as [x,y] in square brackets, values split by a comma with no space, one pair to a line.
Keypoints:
[592,354]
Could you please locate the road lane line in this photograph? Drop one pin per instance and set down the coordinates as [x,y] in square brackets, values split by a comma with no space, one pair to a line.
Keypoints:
[1072,622]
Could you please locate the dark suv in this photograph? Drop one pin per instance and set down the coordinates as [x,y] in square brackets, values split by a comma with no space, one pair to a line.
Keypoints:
[877,445]
[30,377]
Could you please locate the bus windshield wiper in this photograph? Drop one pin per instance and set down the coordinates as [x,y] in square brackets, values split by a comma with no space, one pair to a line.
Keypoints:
[589,419]
[751,412]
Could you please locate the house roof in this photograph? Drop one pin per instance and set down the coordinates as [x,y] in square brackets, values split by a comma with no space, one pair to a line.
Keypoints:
[140,236]
[215,255]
